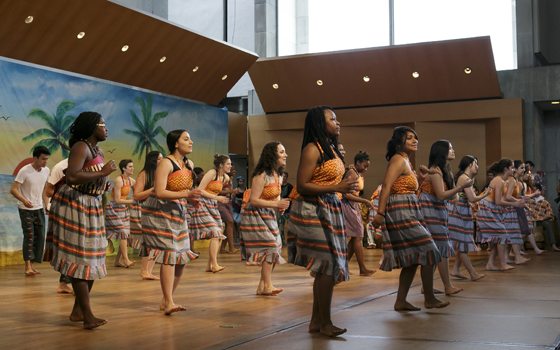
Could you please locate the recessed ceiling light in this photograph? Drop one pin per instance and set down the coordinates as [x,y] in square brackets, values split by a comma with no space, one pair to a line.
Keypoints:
[275,86]
[163,59]
[366,79]
[195,69]
[29,19]
[468,70]
[81,35]
[224,77]
[415,75]
[124,48]
[555,102]
[319,82]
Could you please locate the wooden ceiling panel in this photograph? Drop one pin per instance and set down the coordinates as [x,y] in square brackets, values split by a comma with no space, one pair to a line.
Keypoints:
[440,66]
[50,40]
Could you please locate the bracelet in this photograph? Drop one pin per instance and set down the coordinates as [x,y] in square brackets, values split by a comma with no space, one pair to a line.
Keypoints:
[382,214]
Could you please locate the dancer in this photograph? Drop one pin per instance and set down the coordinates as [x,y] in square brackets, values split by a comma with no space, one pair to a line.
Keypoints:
[511,218]
[226,213]
[76,218]
[164,224]
[490,218]
[259,227]
[541,211]
[316,237]
[117,216]
[206,222]
[523,213]
[142,189]
[372,232]
[352,214]
[461,224]
[406,242]
[198,175]
[435,191]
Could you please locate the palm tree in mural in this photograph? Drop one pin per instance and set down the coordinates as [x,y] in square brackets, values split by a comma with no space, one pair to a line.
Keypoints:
[146,131]
[56,135]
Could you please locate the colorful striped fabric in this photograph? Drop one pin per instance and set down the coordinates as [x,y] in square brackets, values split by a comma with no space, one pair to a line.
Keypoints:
[372,230]
[461,227]
[261,237]
[406,241]
[511,223]
[165,231]
[435,217]
[316,236]
[490,222]
[136,239]
[352,218]
[206,223]
[77,228]
[117,221]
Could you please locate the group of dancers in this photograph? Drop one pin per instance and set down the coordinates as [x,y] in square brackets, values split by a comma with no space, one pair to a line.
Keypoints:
[167,209]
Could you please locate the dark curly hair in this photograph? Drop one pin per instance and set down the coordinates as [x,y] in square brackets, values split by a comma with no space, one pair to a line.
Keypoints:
[124,163]
[497,168]
[362,156]
[268,160]
[438,158]
[397,140]
[315,132]
[83,127]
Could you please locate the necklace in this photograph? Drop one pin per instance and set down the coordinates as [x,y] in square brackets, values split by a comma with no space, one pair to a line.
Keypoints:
[181,164]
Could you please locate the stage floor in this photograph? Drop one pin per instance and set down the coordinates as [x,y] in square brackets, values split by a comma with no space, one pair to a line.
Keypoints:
[516,309]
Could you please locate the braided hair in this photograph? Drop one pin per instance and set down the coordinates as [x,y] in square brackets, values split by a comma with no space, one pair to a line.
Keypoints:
[83,127]
[315,132]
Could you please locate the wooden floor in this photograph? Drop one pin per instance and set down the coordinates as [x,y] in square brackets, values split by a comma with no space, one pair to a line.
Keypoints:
[517,309]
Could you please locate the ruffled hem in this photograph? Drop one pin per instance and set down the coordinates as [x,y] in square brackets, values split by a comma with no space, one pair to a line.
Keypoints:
[446,251]
[431,257]
[198,236]
[466,247]
[167,257]
[322,266]
[118,235]
[494,240]
[84,272]
[135,241]
[273,258]
[515,240]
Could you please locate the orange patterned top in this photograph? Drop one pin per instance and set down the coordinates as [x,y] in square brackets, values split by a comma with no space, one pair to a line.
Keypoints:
[180,181]
[428,187]
[515,192]
[214,187]
[360,182]
[407,184]
[269,193]
[375,194]
[125,189]
[493,194]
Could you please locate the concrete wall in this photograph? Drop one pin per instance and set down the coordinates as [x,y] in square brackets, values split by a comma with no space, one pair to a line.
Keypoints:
[155,7]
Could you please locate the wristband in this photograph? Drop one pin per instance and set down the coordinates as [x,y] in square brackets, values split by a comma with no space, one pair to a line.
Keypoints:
[382,214]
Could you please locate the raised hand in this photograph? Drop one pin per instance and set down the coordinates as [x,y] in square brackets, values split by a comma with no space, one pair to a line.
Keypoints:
[283,204]
[423,173]
[194,194]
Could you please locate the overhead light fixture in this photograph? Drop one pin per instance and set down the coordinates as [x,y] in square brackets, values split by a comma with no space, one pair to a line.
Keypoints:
[29,19]
[163,59]
[124,48]
[81,35]
[555,102]
[468,70]
[275,86]
[195,69]
[415,75]
[319,82]
[366,79]
[224,77]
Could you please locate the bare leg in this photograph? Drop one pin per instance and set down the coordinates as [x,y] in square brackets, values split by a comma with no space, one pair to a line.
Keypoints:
[170,278]
[118,259]
[430,300]
[518,258]
[229,241]
[443,268]
[531,239]
[82,289]
[146,271]
[191,239]
[456,272]
[265,284]
[213,258]
[356,243]
[502,253]
[123,250]
[493,252]
[28,268]
[405,280]
[325,287]
[464,257]
[64,288]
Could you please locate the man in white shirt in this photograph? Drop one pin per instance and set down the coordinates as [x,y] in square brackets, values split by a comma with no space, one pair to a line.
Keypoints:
[28,190]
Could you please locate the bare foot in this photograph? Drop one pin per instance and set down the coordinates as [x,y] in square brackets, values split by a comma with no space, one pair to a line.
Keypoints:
[350,273]
[507,267]
[332,331]
[197,253]
[76,317]
[522,252]
[539,252]
[118,264]
[405,306]
[96,323]
[147,276]
[436,291]
[477,276]
[156,278]
[436,304]
[215,270]
[492,268]
[129,264]
[233,251]
[266,292]
[30,273]
[555,248]
[36,272]
[453,290]
[509,261]
[64,288]
[172,309]
[521,261]
[223,251]
[252,263]
[277,290]
[458,275]
[314,327]
[367,273]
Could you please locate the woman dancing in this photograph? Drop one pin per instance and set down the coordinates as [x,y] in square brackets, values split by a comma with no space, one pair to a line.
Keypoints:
[406,242]
[352,214]
[461,224]
[164,223]
[76,218]
[142,190]
[206,222]
[316,238]
[226,213]
[511,218]
[117,215]
[259,227]
[523,213]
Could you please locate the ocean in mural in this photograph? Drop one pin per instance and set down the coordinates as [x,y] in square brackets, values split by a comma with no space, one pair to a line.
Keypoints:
[37,106]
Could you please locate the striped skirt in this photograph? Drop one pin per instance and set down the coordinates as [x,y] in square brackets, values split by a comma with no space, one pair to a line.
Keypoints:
[435,217]
[206,223]
[406,242]
[136,239]
[461,227]
[511,223]
[372,231]
[316,237]
[117,221]
[77,228]
[190,211]
[261,236]
[353,223]
[490,222]
[165,231]
[525,223]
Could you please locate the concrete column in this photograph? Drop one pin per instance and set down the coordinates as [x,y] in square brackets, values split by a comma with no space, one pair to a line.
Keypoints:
[266,29]
[524,24]
[302,26]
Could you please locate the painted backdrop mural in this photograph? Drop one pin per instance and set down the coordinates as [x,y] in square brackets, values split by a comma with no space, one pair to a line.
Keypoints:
[37,106]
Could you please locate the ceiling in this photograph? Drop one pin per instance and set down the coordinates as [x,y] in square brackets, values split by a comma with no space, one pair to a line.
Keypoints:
[548,105]
[290,83]
[51,40]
